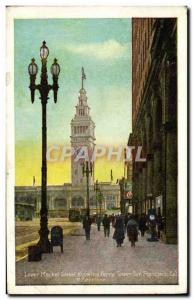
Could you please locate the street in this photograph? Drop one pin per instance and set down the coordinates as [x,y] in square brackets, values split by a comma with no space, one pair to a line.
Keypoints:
[99,261]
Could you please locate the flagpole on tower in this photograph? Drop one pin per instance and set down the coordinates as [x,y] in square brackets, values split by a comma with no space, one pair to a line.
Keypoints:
[83,77]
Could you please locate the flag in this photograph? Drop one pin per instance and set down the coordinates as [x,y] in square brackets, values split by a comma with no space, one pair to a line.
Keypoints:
[83,74]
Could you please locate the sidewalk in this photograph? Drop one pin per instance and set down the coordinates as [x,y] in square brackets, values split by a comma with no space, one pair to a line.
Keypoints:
[99,261]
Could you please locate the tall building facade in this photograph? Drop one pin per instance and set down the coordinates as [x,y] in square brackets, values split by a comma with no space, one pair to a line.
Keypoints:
[82,137]
[154,119]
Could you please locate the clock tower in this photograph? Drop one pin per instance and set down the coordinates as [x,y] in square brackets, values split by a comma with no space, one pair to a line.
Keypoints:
[82,137]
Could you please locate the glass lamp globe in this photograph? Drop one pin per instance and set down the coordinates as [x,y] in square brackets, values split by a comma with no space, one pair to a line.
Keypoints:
[44,51]
[55,68]
[32,68]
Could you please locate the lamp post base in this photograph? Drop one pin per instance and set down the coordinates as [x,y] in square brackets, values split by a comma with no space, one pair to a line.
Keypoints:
[35,251]
[45,245]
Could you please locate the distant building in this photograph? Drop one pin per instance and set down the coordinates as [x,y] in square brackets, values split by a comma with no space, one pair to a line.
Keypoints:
[61,198]
[154,118]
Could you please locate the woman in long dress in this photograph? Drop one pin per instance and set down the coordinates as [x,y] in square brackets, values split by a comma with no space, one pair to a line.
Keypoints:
[119,234]
[132,231]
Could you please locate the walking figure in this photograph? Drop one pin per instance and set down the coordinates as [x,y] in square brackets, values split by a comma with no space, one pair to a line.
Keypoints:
[98,222]
[113,219]
[106,224]
[132,231]
[87,226]
[119,233]
[142,224]
[159,221]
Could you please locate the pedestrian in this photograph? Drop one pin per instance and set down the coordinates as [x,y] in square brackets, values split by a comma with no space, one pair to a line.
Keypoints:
[119,233]
[142,224]
[106,224]
[132,230]
[159,221]
[152,220]
[87,226]
[98,222]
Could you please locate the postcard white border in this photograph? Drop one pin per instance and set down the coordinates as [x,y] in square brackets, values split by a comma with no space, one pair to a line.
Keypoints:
[99,12]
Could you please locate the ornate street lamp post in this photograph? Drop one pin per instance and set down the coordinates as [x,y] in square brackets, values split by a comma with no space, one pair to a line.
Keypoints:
[44,89]
[88,169]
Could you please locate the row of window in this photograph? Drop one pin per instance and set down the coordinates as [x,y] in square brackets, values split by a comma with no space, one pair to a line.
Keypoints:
[80,129]
[76,201]
[81,112]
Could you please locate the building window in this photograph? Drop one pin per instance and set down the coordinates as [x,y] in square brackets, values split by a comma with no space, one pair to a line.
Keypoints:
[77,201]
[81,112]
[110,197]
[93,202]
[60,203]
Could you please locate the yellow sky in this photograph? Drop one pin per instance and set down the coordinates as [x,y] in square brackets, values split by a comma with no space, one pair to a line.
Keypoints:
[28,164]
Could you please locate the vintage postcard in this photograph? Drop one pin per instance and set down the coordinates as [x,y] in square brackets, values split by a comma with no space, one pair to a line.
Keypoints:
[96,150]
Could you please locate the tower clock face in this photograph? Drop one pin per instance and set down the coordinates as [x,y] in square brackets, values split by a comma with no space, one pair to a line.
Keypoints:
[80,150]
